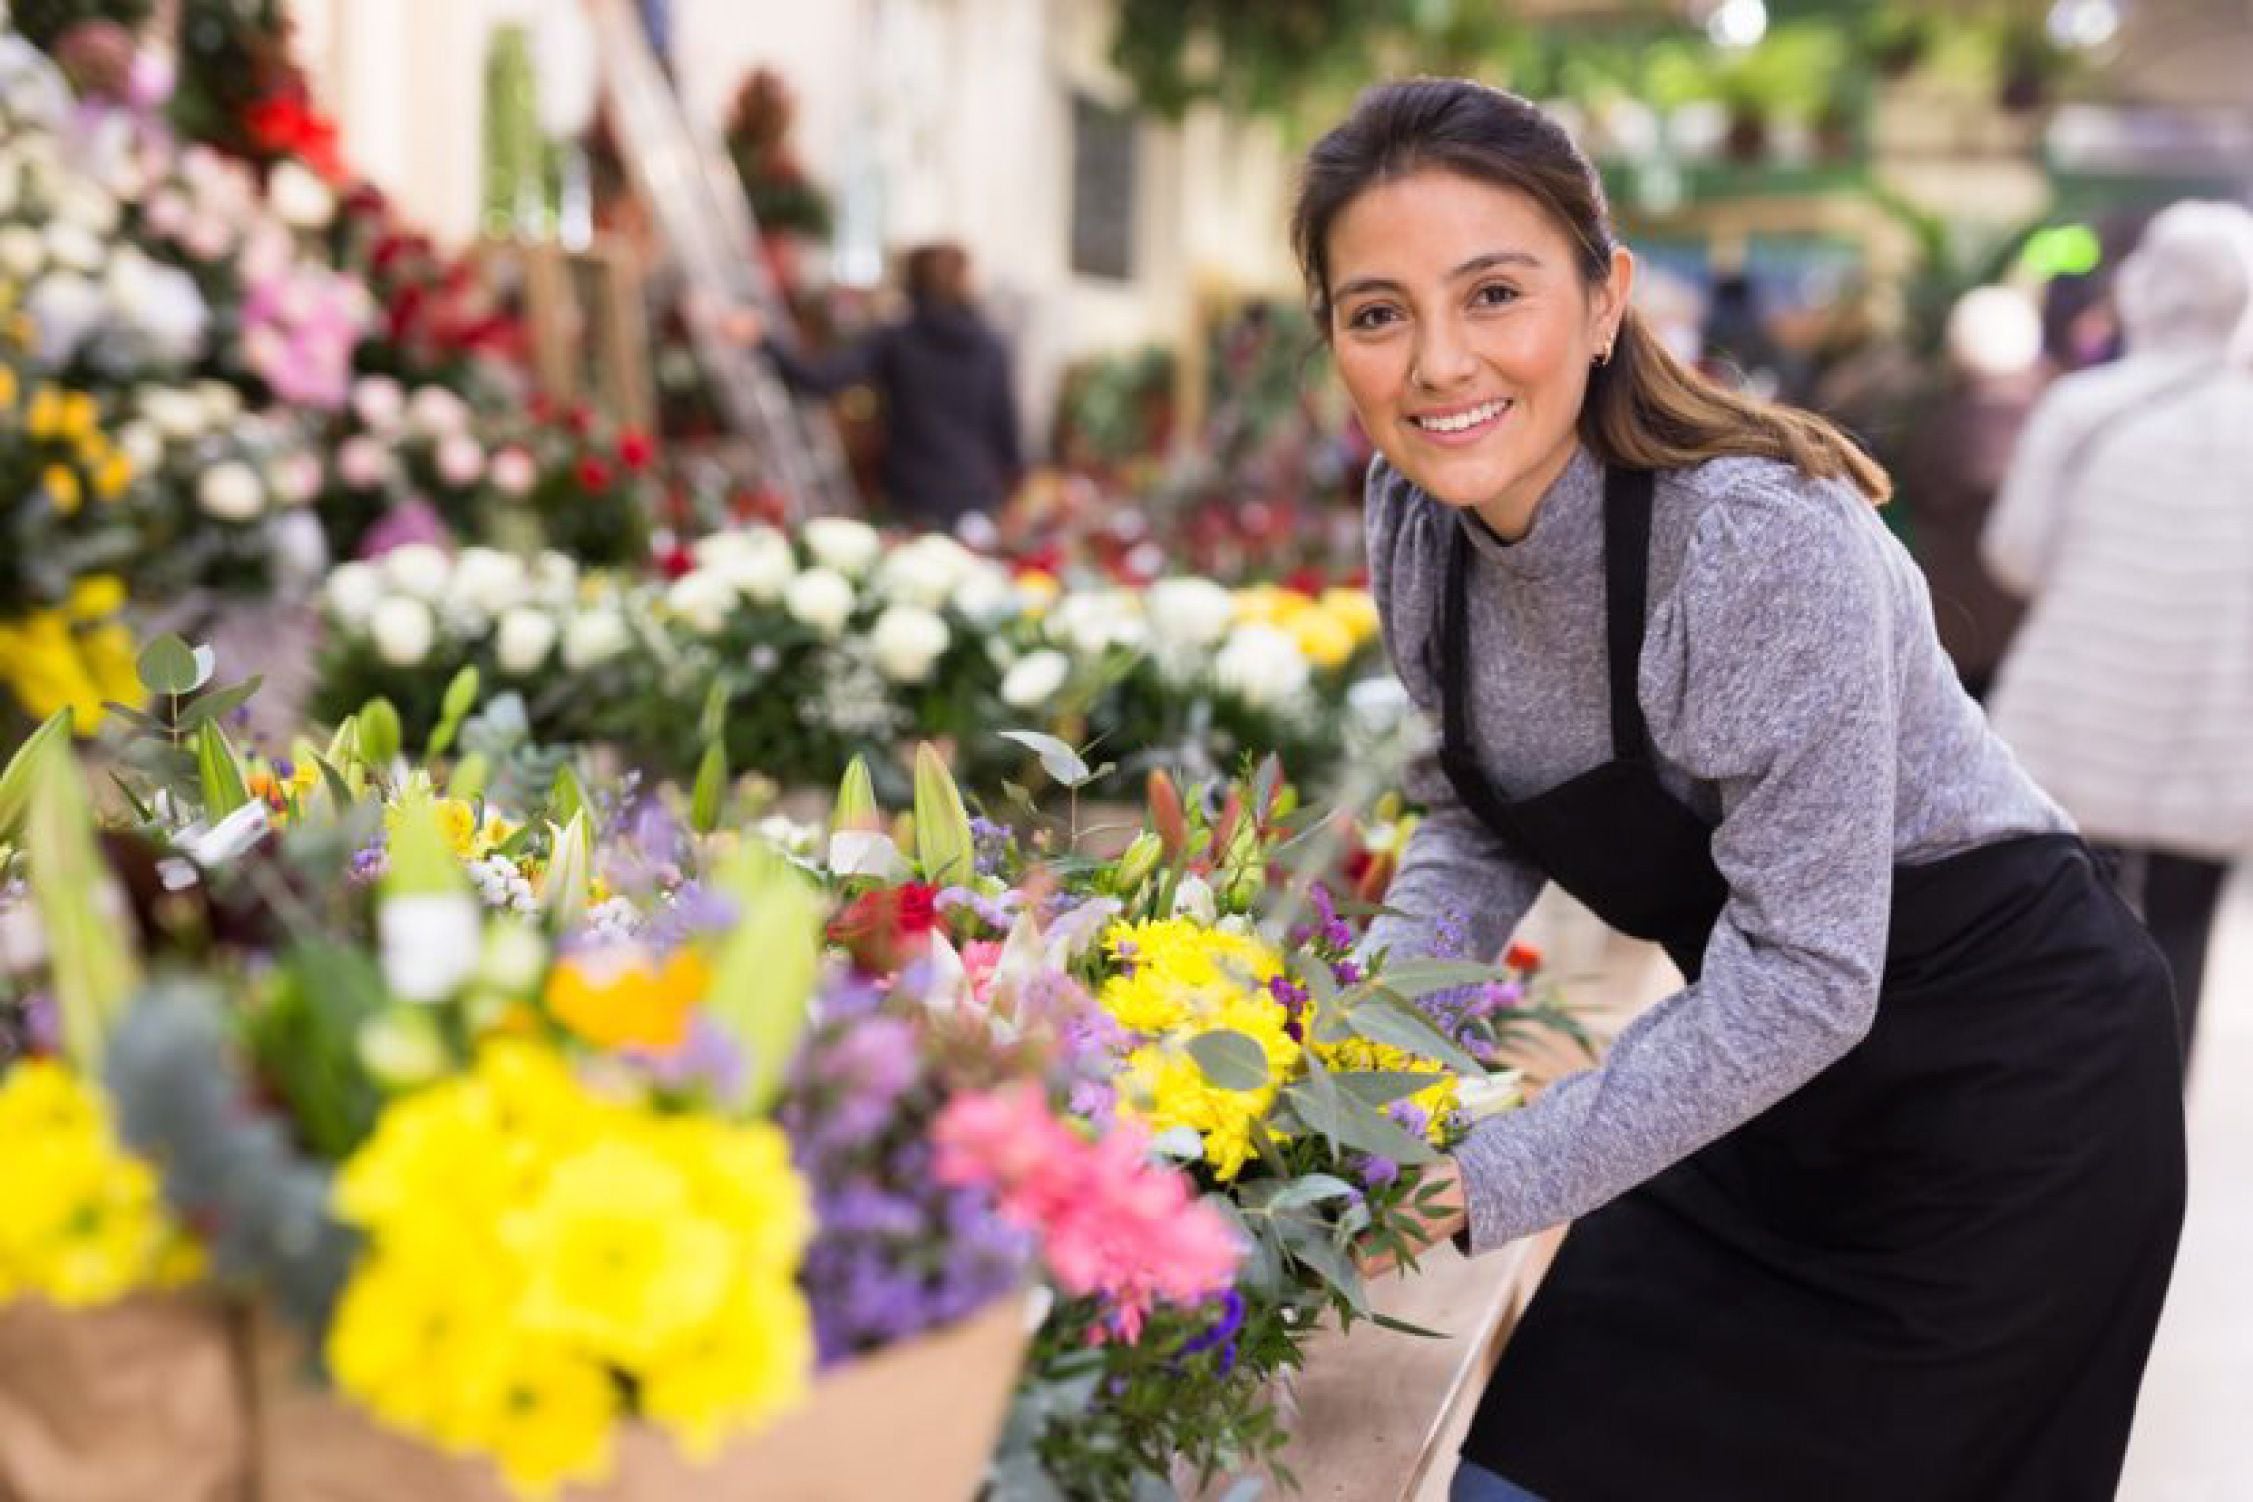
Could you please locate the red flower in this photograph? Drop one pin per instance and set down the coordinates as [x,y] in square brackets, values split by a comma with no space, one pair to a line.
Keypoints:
[541,408]
[284,125]
[594,475]
[1522,957]
[918,909]
[579,420]
[674,561]
[635,450]
[883,930]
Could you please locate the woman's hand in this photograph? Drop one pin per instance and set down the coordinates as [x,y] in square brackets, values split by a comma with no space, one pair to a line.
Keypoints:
[1435,1211]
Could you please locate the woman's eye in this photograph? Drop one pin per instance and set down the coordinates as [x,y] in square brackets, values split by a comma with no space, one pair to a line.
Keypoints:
[1494,295]
[1371,316]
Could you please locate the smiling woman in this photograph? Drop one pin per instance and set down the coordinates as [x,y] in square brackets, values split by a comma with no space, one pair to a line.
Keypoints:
[1828,1237]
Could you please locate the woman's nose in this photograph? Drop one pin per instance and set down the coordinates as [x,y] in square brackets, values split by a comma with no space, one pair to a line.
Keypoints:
[1443,355]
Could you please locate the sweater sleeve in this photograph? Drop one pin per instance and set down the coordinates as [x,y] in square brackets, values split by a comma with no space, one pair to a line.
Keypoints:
[1459,891]
[1769,673]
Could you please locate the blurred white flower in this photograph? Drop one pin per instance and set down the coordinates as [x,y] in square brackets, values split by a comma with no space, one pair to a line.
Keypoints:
[437,412]
[1262,666]
[420,569]
[756,560]
[525,637]
[88,208]
[362,463]
[1194,899]
[222,403]
[75,246]
[822,599]
[160,301]
[1190,613]
[513,473]
[1094,621]
[377,401]
[840,543]
[299,552]
[486,580]
[593,637]
[1035,679]
[178,415]
[402,629]
[925,571]
[140,442]
[230,492]
[555,576]
[460,460]
[299,198]
[23,251]
[906,642]
[429,943]
[703,600]
[1375,706]
[65,308]
[353,590]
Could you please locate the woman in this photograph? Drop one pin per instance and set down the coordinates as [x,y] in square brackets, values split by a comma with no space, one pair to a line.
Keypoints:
[1884,1202]
[2127,518]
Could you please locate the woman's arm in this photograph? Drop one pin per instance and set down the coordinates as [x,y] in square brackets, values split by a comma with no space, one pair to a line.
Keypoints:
[1770,673]
[2021,533]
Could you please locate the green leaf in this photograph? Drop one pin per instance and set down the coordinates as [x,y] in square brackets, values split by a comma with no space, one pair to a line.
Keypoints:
[709,800]
[15,782]
[334,781]
[469,777]
[141,811]
[461,698]
[712,724]
[942,825]
[219,772]
[764,972]
[1384,1020]
[1230,1059]
[1310,1189]
[1348,1123]
[92,968]
[1059,760]
[1400,1326]
[1413,978]
[1335,1266]
[419,863]
[169,666]
[568,800]
[1381,1087]
[219,703]
[380,733]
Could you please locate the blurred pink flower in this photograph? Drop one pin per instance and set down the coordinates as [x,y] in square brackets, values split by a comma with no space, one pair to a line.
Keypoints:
[1113,1224]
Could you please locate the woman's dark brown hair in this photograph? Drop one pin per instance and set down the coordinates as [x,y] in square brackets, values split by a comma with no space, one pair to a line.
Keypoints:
[1645,409]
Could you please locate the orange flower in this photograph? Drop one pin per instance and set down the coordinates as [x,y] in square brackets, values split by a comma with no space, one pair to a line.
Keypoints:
[621,996]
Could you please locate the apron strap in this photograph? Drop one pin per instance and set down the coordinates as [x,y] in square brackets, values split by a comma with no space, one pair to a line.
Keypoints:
[1627,578]
[1458,750]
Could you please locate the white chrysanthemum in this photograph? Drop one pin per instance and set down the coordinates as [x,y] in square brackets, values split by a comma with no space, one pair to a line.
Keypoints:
[1035,679]
[756,560]
[230,492]
[420,569]
[840,543]
[402,629]
[1262,666]
[1190,613]
[702,599]
[907,641]
[594,637]
[821,598]
[525,637]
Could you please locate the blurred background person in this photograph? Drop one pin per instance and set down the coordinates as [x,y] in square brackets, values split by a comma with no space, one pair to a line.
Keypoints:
[2127,522]
[942,377]
[1954,455]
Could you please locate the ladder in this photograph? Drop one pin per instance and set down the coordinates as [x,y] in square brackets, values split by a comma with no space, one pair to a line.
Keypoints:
[705,218]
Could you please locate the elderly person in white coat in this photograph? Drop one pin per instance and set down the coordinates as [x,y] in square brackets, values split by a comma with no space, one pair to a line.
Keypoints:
[2127,521]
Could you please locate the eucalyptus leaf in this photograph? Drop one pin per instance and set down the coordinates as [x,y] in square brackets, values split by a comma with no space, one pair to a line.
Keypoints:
[1336,1268]
[1310,1189]
[1230,1059]
[1381,1087]
[1180,1142]
[1058,759]
[1413,978]
[1384,1020]
[219,772]
[219,703]
[169,666]
[1348,1123]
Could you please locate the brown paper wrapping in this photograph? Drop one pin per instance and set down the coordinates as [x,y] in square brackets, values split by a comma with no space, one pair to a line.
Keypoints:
[143,1399]
[916,1423]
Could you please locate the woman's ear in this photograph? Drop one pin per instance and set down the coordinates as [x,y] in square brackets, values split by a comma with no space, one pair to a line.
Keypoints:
[1609,305]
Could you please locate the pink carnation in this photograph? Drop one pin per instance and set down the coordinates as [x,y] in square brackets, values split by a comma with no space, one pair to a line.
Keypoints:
[1112,1223]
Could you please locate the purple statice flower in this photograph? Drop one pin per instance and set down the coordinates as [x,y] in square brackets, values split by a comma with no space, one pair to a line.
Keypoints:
[648,851]
[1377,1172]
[1221,1334]
[1294,998]
[998,914]
[1346,972]
[368,864]
[1333,931]
[990,845]
[693,911]
[708,1059]
[1409,1117]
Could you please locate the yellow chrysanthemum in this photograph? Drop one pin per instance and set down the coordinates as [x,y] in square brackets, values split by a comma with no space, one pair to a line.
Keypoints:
[113,476]
[419,1333]
[1356,609]
[1322,638]
[79,415]
[1164,1086]
[85,1224]
[60,482]
[742,1370]
[10,388]
[43,420]
[1437,1102]
[549,1418]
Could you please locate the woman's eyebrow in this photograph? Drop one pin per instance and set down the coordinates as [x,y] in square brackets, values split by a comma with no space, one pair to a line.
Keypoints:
[1472,267]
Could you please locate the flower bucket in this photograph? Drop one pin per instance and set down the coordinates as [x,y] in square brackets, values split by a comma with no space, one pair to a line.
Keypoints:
[143,1398]
[916,1423]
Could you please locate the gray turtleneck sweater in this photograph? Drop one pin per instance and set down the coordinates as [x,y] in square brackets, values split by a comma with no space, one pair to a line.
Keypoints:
[1797,698]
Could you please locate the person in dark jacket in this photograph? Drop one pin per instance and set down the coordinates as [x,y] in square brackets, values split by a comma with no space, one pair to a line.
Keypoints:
[949,406]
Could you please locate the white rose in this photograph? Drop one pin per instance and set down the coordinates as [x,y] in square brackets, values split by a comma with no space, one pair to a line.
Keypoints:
[140,442]
[460,460]
[75,246]
[377,401]
[513,472]
[486,580]
[592,637]
[231,492]
[924,572]
[840,543]
[906,642]
[420,569]
[757,561]
[437,412]
[1262,666]
[222,402]
[703,599]
[524,639]
[402,629]
[1190,613]
[178,415]
[822,599]
[23,251]
[353,590]
[300,199]
[1034,680]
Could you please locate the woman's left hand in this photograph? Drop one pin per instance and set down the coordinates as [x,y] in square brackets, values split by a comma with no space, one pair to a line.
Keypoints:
[1436,1211]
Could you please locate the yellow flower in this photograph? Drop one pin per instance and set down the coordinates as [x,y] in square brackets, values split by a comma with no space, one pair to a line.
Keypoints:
[1326,641]
[1437,1101]
[113,476]
[619,996]
[740,1174]
[61,484]
[547,1419]
[417,1334]
[10,388]
[744,1368]
[1356,608]
[1164,1087]
[44,420]
[47,667]
[80,415]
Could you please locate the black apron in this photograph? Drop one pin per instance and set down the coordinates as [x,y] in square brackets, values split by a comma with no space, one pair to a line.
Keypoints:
[1933,1272]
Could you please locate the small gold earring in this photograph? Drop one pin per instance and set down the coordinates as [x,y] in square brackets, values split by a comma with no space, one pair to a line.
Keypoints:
[1603,357]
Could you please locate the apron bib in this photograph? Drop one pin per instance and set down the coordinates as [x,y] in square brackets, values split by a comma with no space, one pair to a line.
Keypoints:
[1934,1270]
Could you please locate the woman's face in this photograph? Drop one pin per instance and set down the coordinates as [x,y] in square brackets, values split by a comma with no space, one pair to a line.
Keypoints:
[1464,333]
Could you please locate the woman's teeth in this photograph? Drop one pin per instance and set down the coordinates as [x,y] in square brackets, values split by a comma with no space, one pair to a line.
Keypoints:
[1462,420]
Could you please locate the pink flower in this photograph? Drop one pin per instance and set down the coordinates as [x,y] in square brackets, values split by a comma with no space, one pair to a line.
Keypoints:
[513,472]
[1113,1224]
